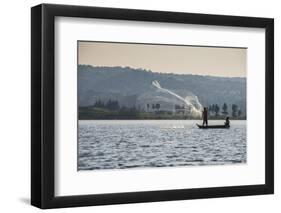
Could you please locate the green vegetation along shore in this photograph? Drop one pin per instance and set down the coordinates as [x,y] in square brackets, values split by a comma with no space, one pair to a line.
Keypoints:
[97,113]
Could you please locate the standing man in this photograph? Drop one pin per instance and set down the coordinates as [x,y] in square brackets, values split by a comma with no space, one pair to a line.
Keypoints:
[205,116]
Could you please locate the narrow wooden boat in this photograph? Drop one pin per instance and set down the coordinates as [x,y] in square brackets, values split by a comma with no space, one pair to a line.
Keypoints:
[213,126]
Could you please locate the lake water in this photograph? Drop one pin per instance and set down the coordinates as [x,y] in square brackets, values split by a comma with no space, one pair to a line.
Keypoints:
[119,144]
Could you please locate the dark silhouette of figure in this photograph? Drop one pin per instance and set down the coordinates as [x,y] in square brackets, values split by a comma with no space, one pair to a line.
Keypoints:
[205,116]
[227,122]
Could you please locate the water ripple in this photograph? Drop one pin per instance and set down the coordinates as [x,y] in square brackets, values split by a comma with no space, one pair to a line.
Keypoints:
[115,144]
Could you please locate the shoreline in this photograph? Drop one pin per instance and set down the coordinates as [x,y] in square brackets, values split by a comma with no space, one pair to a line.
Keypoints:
[213,119]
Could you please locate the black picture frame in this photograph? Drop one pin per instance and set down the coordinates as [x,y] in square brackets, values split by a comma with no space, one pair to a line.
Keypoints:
[43,102]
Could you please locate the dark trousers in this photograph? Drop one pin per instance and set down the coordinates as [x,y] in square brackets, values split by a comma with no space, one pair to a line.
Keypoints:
[205,122]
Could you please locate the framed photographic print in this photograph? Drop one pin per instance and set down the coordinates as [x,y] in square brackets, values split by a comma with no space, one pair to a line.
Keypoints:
[139,106]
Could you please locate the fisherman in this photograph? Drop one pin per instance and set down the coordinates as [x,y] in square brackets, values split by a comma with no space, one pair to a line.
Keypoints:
[227,122]
[205,116]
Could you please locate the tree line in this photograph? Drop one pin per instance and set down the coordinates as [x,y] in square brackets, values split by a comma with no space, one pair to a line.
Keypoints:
[153,106]
[235,111]
[112,105]
[212,109]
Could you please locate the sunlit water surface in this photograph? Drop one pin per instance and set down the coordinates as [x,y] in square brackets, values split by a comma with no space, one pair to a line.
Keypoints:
[118,144]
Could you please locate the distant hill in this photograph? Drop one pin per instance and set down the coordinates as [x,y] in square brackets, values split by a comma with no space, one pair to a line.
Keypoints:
[132,87]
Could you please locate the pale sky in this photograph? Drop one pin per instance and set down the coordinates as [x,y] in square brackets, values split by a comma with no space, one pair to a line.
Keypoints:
[196,60]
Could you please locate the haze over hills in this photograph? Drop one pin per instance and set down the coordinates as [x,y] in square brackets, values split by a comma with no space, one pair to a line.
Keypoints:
[133,87]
